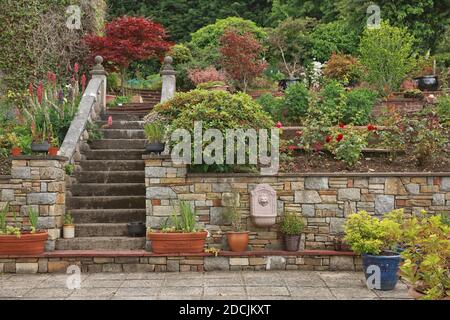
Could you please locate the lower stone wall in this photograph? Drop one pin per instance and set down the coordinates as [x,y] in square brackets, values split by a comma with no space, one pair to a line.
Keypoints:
[181,263]
[323,200]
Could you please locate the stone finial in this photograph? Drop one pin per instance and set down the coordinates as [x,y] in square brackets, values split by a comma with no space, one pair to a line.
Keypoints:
[167,67]
[98,69]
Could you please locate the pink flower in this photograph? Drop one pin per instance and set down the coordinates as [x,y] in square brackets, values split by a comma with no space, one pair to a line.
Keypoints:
[75,68]
[279,125]
[83,81]
[292,147]
[30,89]
[110,121]
[40,92]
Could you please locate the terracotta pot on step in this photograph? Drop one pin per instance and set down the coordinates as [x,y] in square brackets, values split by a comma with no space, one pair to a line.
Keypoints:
[16,151]
[27,244]
[238,241]
[53,151]
[177,242]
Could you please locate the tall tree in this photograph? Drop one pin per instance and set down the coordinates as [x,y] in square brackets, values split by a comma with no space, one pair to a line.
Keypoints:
[128,39]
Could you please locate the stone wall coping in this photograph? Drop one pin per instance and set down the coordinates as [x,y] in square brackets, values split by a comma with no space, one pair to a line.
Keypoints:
[39,157]
[5,177]
[156,156]
[143,253]
[321,174]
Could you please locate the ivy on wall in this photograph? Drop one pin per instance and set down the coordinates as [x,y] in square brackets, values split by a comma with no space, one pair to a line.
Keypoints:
[36,39]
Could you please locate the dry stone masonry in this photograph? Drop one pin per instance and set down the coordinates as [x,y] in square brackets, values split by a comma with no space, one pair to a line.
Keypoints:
[324,201]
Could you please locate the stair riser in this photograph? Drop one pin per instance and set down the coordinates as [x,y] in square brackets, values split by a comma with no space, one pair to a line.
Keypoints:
[96,244]
[123,134]
[119,165]
[110,177]
[107,190]
[109,230]
[121,125]
[114,155]
[99,203]
[108,217]
[118,144]
[121,116]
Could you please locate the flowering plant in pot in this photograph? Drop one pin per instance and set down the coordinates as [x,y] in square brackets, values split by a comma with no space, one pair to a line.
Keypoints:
[376,239]
[16,240]
[237,238]
[68,226]
[291,226]
[53,150]
[179,233]
[155,133]
[426,257]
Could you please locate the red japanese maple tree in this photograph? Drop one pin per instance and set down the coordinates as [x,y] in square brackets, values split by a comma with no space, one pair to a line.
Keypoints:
[241,57]
[128,39]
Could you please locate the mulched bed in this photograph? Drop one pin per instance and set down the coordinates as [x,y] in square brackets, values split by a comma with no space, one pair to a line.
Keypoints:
[322,162]
[5,166]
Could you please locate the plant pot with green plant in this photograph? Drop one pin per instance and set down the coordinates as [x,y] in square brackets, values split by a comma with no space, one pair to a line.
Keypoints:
[376,239]
[291,226]
[426,257]
[53,150]
[68,227]
[179,233]
[237,239]
[155,133]
[16,240]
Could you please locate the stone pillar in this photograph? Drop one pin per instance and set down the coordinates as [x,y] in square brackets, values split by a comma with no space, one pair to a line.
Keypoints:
[98,71]
[42,188]
[163,181]
[168,80]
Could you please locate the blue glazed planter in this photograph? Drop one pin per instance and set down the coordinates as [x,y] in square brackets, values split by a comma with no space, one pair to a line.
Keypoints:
[388,266]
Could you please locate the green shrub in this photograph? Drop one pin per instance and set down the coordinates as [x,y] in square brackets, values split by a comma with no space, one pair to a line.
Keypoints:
[344,68]
[359,105]
[113,82]
[387,53]
[369,235]
[272,105]
[331,102]
[347,144]
[443,108]
[291,224]
[180,54]
[296,103]
[155,131]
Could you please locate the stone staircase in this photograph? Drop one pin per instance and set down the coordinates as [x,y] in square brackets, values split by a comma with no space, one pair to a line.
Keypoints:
[110,188]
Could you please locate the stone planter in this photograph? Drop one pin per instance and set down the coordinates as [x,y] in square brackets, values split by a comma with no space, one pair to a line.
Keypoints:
[40,147]
[157,147]
[26,244]
[177,242]
[68,231]
[238,241]
[291,242]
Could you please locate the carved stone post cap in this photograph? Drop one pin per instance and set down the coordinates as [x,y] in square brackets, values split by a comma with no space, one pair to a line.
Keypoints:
[98,69]
[168,68]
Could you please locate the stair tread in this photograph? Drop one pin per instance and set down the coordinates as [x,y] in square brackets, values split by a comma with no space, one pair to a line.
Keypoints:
[111,211]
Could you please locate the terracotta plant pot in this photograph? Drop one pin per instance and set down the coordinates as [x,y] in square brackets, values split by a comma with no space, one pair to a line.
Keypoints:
[416,295]
[177,242]
[27,244]
[68,231]
[110,98]
[237,241]
[53,151]
[16,151]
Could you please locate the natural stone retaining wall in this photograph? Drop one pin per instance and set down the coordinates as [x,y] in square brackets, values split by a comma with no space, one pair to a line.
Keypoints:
[39,183]
[197,263]
[324,200]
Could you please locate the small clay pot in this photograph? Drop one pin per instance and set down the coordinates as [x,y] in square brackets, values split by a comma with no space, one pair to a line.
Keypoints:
[238,241]
[53,151]
[68,231]
[16,151]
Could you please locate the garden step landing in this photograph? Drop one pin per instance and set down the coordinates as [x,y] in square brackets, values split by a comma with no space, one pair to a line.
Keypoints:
[101,243]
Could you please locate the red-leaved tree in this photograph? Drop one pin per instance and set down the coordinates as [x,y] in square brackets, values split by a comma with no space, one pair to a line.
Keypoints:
[128,39]
[241,57]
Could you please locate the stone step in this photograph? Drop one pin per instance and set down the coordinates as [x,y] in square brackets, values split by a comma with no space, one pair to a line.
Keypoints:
[101,243]
[110,176]
[134,107]
[101,230]
[112,165]
[123,134]
[108,189]
[108,215]
[115,154]
[107,202]
[121,124]
[124,144]
[122,116]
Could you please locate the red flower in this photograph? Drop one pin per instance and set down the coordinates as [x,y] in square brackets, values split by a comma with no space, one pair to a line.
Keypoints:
[339,137]
[328,139]
[75,68]
[341,125]
[279,125]
[30,89]
[83,81]
[371,127]
[110,121]
[292,147]
[40,92]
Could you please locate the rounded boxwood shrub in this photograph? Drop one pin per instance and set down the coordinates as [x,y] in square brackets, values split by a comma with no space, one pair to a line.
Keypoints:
[358,108]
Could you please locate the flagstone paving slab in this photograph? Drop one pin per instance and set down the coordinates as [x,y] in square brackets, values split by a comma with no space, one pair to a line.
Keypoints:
[245,285]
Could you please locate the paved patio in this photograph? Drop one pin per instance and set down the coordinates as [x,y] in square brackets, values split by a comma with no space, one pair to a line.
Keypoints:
[282,285]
